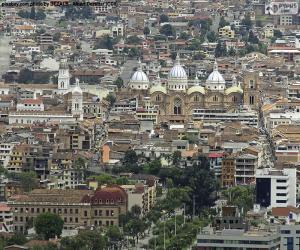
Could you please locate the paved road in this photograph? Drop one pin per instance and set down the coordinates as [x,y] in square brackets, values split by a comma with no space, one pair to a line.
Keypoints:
[127,69]
[5,50]
[215,23]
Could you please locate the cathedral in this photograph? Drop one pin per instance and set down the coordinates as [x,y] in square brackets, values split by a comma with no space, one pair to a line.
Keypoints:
[177,98]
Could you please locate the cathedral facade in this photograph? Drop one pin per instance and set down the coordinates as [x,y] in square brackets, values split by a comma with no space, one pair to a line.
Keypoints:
[177,99]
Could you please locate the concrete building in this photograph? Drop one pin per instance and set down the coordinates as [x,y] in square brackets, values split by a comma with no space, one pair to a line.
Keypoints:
[276,188]
[237,239]
[290,237]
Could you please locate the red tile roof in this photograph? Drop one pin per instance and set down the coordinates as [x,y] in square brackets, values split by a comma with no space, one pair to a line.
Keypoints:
[284,211]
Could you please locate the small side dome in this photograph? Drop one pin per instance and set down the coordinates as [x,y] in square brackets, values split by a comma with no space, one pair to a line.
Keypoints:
[234,89]
[196,89]
[139,79]
[158,88]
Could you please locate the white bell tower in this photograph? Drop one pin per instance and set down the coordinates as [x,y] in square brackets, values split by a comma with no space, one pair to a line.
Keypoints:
[77,101]
[63,77]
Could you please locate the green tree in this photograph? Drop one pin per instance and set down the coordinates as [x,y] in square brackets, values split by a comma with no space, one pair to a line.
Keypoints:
[106,42]
[220,50]
[240,196]
[114,235]
[85,240]
[48,225]
[32,13]
[247,22]
[111,99]
[277,33]
[146,31]
[40,15]
[163,18]
[231,52]
[130,157]
[136,211]
[16,239]
[211,36]
[56,36]
[153,167]
[133,40]
[119,82]
[184,36]
[134,52]
[252,38]
[223,22]
[167,30]
[28,181]
[176,157]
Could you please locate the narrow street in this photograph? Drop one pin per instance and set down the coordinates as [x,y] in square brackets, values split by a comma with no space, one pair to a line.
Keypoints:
[5,50]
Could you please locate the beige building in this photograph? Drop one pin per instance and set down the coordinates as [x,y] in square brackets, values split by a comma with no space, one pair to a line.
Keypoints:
[226,32]
[76,207]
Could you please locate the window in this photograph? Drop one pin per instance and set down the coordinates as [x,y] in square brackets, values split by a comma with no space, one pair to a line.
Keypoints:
[157,98]
[96,213]
[281,201]
[215,98]
[196,98]
[251,100]
[177,106]
[76,220]
[107,212]
[251,84]
[85,213]
[281,181]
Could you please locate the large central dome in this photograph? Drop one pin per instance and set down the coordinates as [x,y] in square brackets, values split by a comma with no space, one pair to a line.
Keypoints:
[177,71]
[177,78]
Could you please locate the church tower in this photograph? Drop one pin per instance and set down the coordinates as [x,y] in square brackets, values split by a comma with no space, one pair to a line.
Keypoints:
[77,100]
[251,87]
[63,77]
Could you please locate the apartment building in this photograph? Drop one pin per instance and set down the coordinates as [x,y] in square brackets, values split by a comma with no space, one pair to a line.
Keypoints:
[245,166]
[76,207]
[228,172]
[226,32]
[276,188]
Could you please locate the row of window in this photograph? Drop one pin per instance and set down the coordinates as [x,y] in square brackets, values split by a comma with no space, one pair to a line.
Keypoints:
[43,210]
[107,212]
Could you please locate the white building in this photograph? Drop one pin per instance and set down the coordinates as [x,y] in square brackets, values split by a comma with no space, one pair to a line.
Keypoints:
[290,237]
[39,117]
[30,105]
[5,151]
[276,188]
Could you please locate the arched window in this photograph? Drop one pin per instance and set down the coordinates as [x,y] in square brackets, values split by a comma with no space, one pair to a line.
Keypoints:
[62,84]
[234,99]
[76,106]
[157,98]
[177,106]
[196,98]
[215,98]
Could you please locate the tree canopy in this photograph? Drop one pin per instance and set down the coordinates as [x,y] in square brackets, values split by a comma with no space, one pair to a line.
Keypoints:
[48,225]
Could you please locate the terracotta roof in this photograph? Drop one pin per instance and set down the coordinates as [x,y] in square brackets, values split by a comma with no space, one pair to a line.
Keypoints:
[284,211]
[31,101]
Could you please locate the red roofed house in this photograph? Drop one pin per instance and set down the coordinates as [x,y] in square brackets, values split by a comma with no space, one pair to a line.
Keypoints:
[287,214]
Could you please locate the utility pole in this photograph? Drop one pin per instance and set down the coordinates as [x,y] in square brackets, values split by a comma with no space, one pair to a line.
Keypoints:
[193,206]
[183,213]
[175,223]
[164,233]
